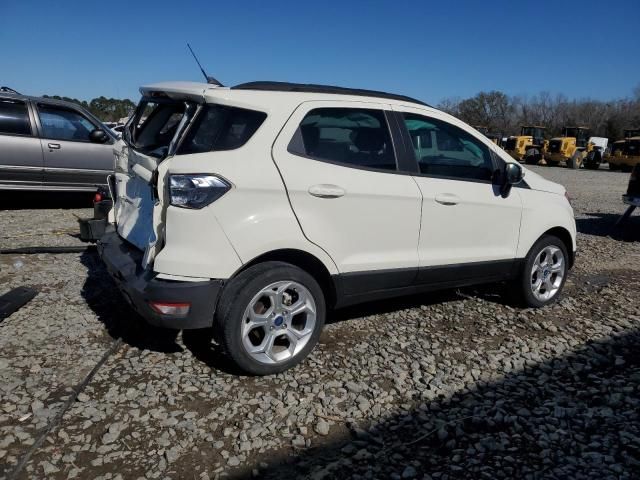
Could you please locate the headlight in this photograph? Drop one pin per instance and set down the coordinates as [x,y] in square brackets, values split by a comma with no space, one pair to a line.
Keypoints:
[196,190]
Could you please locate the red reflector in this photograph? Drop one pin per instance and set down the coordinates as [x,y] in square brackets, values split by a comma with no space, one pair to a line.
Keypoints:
[167,308]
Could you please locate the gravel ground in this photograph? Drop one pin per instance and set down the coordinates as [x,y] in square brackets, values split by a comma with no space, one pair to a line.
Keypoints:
[457,384]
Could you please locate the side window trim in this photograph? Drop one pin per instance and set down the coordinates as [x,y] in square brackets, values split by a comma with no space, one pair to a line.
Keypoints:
[406,160]
[33,133]
[296,141]
[405,132]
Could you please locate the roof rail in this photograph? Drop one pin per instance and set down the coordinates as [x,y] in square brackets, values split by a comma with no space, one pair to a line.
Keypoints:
[313,88]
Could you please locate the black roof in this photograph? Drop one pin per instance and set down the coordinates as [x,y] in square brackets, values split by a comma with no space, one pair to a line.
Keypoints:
[312,88]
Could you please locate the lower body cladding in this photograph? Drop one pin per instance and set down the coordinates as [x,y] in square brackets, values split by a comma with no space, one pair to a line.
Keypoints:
[163,303]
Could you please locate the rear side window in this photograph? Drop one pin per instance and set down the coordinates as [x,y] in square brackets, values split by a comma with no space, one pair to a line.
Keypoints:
[14,118]
[64,124]
[348,136]
[444,150]
[219,127]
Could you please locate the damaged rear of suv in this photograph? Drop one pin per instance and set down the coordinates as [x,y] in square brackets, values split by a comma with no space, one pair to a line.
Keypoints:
[169,125]
[254,209]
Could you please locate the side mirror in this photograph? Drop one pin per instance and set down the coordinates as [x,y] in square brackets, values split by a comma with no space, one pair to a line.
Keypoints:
[98,136]
[513,174]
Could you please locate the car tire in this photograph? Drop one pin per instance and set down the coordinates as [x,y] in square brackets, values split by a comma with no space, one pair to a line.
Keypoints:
[575,161]
[536,270]
[532,159]
[614,167]
[272,339]
[593,160]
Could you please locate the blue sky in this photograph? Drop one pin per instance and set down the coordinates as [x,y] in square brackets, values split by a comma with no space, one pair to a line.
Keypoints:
[427,49]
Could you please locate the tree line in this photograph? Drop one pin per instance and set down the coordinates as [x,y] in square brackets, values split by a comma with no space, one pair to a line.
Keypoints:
[106,109]
[505,114]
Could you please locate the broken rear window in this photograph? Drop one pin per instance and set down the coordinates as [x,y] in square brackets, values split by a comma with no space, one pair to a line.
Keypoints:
[156,124]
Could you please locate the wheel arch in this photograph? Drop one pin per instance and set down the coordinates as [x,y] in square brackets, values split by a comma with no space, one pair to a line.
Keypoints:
[305,261]
[566,238]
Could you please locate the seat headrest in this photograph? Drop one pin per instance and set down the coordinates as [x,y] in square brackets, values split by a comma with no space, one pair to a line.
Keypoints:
[368,139]
[310,137]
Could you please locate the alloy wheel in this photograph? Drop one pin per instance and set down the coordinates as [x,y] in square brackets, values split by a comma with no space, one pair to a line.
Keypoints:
[547,273]
[278,322]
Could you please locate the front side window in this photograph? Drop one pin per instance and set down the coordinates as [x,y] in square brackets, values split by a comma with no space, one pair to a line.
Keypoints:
[444,150]
[64,124]
[348,136]
[219,127]
[14,118]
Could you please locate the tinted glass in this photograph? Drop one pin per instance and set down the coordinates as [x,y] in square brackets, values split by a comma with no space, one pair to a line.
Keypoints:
[14,118]
[63,124]
[349,136]
[221,128]
[445,150]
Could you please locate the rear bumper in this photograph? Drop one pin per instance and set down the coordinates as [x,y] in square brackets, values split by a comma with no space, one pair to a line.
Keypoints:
[140,286]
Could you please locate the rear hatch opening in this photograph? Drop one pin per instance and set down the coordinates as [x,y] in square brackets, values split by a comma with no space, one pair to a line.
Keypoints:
[162,127]
[151,136]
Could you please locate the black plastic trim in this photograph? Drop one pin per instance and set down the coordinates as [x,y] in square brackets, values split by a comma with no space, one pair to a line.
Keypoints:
[359,287]
[315,88]
[140,286]
[406,159]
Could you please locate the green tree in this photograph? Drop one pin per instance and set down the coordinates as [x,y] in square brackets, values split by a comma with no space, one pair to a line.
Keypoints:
[106,109]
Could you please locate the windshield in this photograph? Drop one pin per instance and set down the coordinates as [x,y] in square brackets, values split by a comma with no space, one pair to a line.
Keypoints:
[155,125]
[535,132]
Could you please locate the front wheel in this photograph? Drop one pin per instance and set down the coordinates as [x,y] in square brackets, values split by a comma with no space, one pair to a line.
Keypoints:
[575,161]
[593,160]
[544,273]
[270,317]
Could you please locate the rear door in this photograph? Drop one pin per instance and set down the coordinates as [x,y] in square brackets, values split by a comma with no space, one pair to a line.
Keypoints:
[71,160]
[339,166]
[21,160]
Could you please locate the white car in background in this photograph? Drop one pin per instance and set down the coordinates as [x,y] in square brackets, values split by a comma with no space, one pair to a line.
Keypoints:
[256,209]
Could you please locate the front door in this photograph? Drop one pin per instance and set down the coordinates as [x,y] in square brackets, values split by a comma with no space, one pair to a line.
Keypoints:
[469,229]
[20,150]
[71,160]
[339,167]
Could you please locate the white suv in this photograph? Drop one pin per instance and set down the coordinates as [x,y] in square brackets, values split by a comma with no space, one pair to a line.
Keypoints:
[257,209]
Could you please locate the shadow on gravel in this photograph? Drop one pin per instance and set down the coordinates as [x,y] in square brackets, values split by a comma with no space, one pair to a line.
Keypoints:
[604,225]
[14,200]
[381,307]
[576,416]
[119,319]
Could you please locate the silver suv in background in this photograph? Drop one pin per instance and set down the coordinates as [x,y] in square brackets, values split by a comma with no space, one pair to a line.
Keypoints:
[48,144]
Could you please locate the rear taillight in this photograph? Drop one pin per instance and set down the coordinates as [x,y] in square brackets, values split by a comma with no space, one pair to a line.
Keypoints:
[97,198]
[171,308]
[196,190]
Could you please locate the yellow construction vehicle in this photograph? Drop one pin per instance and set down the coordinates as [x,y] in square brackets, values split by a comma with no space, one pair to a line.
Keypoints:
[625,154]
[494,137]
[572,147]
[530,146]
